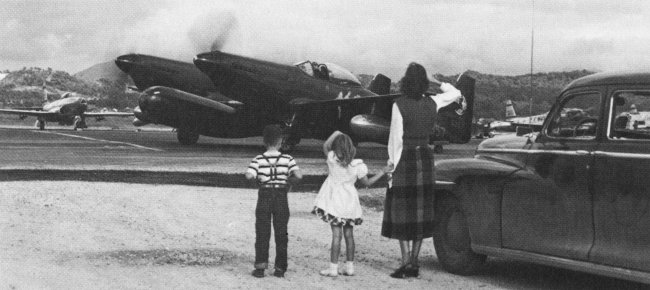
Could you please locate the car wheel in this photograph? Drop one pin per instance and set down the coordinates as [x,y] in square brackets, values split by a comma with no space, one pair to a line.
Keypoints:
[452,240]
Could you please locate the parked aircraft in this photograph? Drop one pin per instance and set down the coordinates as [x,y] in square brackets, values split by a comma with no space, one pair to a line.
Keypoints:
[512,121]
[70,109]
[230,96]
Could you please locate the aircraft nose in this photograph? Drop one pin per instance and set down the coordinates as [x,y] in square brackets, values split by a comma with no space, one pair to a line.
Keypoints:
[210,60]
[127,62]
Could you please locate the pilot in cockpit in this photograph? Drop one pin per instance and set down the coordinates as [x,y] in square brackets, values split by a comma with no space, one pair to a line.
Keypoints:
[321,71]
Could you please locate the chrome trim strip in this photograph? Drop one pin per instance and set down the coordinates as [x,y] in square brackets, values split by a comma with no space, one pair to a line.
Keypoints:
[622,155]
[536,151]
[584,266]
[440,182]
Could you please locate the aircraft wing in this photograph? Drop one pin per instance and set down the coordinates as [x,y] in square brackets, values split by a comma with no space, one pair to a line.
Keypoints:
[107,114]
[26,112]
[455,119]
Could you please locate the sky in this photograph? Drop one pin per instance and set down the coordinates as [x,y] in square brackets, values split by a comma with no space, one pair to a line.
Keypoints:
[372,36]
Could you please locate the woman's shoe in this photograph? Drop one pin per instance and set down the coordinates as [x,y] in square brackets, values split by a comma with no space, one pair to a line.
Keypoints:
[400,273]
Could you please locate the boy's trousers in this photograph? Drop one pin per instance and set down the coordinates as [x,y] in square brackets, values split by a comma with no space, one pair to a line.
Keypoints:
[272,204]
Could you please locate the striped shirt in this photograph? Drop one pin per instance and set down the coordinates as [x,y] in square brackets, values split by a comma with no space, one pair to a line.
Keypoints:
[272,167]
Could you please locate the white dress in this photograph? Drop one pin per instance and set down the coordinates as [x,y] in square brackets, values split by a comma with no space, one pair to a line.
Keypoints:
[338,199]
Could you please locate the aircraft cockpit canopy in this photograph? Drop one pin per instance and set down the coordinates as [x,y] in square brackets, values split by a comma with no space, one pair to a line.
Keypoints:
[329,72]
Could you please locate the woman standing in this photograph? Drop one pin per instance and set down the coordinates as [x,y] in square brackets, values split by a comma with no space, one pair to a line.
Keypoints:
[409,205]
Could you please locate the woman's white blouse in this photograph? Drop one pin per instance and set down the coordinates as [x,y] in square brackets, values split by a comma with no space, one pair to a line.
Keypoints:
[449,95]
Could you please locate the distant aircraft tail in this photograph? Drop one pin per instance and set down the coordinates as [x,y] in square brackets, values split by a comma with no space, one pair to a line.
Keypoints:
[510,110]
[44,92]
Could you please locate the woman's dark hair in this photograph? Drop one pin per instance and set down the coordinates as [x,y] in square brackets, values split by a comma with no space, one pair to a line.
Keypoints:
[415,81]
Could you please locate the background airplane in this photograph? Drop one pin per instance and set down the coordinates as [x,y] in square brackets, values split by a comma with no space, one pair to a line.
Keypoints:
[512,121]
[230,96]
[70,109]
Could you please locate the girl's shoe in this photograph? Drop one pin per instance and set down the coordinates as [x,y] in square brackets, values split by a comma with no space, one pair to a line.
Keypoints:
[346,272]
[328,273]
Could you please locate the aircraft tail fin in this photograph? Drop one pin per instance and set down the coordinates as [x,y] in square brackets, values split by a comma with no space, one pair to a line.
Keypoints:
[456,119]
[45,92]
[510,110]
[380,85]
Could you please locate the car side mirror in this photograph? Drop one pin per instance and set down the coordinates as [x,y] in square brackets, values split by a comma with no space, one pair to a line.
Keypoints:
[523,130]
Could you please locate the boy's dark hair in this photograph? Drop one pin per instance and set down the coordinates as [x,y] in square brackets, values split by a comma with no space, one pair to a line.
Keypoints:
[272,135]
[415,81]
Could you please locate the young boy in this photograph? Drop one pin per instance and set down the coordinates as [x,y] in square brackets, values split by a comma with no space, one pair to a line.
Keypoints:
[273,171]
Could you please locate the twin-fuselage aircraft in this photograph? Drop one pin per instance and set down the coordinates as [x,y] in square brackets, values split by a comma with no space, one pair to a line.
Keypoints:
[230,96]
[68,110]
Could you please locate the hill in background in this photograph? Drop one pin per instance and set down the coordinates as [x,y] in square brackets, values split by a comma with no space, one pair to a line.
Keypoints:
[106,70]
[25,88]
[106,86]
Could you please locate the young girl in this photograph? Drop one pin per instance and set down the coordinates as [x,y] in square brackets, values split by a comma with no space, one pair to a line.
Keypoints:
[337,202]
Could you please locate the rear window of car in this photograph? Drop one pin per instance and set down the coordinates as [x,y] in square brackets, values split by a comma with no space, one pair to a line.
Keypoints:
[629,115]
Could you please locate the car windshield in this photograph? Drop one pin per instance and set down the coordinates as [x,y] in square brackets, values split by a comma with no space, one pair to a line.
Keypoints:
[330,72]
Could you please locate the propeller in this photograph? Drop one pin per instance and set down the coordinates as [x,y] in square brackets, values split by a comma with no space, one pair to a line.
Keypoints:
[211,31]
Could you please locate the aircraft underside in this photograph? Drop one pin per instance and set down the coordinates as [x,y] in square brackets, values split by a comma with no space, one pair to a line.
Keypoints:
[191,120]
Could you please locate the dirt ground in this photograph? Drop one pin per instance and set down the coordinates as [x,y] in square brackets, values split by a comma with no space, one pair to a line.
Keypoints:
[84,235]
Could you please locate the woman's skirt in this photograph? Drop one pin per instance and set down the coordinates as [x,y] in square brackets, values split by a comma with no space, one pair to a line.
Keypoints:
[409,204]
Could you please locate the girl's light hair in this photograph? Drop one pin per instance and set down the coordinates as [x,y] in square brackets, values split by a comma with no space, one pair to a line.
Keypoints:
[344,149]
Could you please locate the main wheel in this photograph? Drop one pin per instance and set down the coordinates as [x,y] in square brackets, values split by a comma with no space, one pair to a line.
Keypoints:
[187,136]
[289,143]
[452,240]
[40,124]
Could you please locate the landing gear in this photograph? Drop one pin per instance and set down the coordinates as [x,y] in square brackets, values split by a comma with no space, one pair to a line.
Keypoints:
[289,143]
[187,136]
[40,124]
[79,123]
[290,136]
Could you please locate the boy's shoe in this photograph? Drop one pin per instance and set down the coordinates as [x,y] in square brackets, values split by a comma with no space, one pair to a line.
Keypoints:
[259,273]
[278,273]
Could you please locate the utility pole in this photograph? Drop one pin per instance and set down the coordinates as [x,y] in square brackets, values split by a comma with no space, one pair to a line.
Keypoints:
[532,43]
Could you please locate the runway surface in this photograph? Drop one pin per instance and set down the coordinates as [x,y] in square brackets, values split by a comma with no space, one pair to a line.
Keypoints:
[117,152]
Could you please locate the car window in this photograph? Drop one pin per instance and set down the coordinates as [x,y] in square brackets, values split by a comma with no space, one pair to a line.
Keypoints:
[630,115]
[577,117]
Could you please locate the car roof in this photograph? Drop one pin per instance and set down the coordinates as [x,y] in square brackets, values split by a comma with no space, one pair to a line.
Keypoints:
[611,78]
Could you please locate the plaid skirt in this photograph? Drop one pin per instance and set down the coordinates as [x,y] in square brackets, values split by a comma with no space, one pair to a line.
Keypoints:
[409,204]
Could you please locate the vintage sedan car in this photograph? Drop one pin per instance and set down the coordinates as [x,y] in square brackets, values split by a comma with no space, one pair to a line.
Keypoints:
[575,195]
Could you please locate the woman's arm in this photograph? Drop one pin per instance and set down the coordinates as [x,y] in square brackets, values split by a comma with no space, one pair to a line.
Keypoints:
[449,95]
[327,145]
[370,181]
[395,136]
